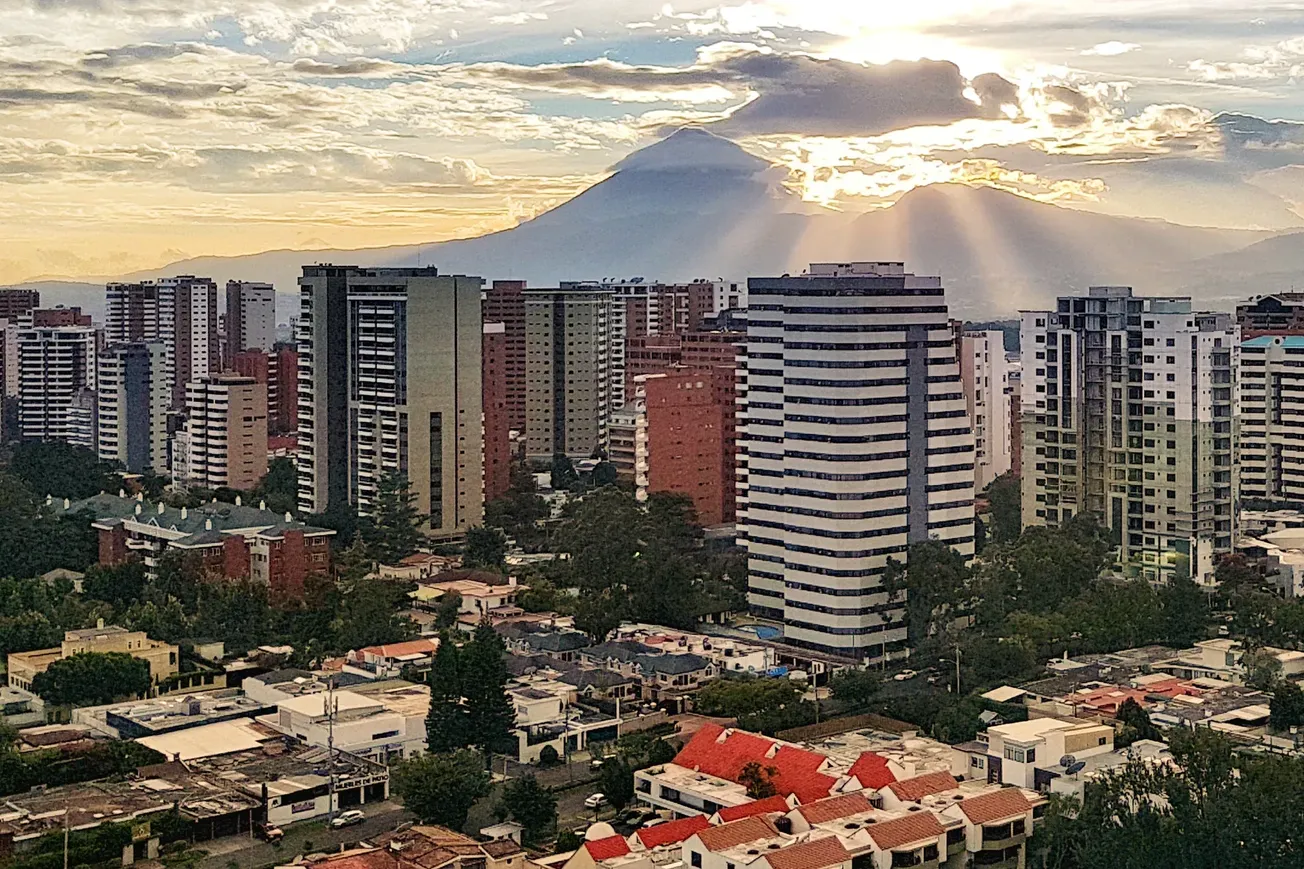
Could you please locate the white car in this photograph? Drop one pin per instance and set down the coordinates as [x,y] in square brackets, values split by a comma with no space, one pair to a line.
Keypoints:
[596,801]
[905,675]
[347,819]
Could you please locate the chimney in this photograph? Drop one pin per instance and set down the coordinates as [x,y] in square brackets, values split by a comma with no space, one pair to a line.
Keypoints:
[184,512]
[137,509]
[289,517]
[49,499]
[262,505]
[160,508]
[122,493]
[237,500]
[99,623]
[208,524]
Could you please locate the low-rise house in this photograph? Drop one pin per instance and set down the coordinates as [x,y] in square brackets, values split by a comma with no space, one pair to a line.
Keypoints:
[390,660]
[480,597]
[663,676]
[562,646]
[382,726]
[547,715]
[1028,754]
[20,707]
[166,714]
[419,566]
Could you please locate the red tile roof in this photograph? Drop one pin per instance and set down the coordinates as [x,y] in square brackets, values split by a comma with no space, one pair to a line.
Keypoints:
[672,831]
[736,833]
[757,807]
[872,771]
[912,789]
[999,805]
[606,849]
[816,854]
[411,647]
[916,827]
[796,770]
[375,859]
[833,808]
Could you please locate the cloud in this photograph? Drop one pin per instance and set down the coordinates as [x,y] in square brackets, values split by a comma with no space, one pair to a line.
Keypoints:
[1113,48]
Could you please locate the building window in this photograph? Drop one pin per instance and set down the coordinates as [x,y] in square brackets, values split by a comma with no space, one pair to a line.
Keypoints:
[695,859]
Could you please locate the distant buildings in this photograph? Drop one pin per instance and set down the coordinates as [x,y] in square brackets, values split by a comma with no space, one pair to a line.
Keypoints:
[504,302]
[250,317]
[986,379]
[1272,417]
[854,443]
[568,370]
[390,382]
[1274,314]
[134,391]
[224,442]
[56,354]
[1129,406]
[161,657]
[497,414]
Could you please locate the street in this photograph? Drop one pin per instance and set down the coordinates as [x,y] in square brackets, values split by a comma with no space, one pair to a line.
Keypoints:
[307,837]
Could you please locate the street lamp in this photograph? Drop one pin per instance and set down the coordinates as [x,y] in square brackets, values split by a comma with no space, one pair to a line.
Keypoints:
[957,669]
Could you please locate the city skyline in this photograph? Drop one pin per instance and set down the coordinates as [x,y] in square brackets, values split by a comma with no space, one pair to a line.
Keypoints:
[133,135]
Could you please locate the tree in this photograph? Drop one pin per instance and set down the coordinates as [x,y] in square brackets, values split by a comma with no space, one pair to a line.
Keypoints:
[370,614]
[604,474]
[1261,668]
[548,757]
[394,530]
[532,806]
[121,584]
[447,610]
[1287,706]
[446,723]
[934,579]
[855,689]
[568,840]
[1006,499]
[1136,724]
[616,778]
[731,698]
[442,788]
[27,631]
[759,780]
[563,473]
[1185,612]
[92,678]
[62,470]
[238,612]
[491,715]
[518,512]
[279,487]
[485,548]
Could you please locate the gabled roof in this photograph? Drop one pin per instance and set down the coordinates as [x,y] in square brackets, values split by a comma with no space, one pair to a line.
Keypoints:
[675,664]
[833,808]
[913,789]
[1000,805]
[672,832]
[723,754]
[737,833]
[608,848]
[409,647]
[918,827]
[756,807]
[816,854]
[872,771]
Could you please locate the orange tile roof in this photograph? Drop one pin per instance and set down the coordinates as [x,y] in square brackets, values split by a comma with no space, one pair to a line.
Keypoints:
[723,754]
[606,849]
[672,831]
[872,771]
[736,833]
[998,805]
[912,789]
[370,860]
[816,854]
[832,808]
[916,827]
[757,807]
[411,647]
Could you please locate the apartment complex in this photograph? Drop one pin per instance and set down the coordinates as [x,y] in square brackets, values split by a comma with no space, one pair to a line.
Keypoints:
[224,442]
[15,303]
[497,415]
[1272,417]
[180,311]
[568,369]
[1129,411]
[250,316]
[390,382]
[679,435]
[1275,314]
[986,378]
[134,390]
[854,442]
[56,378]
[652,354]
[504,302]
[162,657]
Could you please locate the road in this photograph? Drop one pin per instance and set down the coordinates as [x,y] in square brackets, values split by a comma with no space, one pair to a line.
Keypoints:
[302,838]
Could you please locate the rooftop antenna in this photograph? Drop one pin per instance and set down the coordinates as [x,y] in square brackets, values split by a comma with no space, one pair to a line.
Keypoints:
[332,706]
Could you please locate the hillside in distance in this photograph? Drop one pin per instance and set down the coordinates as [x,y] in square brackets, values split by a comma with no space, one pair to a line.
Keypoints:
[698,205]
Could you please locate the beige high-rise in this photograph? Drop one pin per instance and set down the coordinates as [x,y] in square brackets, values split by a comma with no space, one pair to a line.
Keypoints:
[568,357]
[225,439]
[389,375]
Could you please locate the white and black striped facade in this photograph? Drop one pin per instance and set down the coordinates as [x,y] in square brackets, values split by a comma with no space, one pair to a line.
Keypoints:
[855,442]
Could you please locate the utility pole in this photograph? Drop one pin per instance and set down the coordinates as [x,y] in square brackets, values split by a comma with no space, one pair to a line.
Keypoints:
[331,704]
[65,835]
[957,670]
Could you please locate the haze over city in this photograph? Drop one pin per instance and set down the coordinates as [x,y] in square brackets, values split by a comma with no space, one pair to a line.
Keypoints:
[137,134]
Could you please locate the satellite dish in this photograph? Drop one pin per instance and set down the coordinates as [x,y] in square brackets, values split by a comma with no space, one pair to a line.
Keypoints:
[1075,768]
[1068,760]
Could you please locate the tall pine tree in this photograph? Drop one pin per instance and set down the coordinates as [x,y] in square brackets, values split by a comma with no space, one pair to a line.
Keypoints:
[394,530]
[491,715]
[446,724]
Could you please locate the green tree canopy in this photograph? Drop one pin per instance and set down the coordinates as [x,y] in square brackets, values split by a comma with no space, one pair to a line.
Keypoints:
[279,487]
[92,678]
[393,530]
[491,715]
[442,788]
[446,723]
[531,805]
[62,470]
[486,548]
[1006,501]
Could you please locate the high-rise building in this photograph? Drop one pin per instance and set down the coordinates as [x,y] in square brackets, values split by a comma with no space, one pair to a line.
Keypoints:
[389,382]
[568,371]
[250,317]
[679,435]
[986,380]
[181,312]
[283,384]
[56,373]
[134,390]
[1129,414]
[497,426]
[504,302]
[1272,417]
[1016,418]
[15,302]
[224,442]
[854,443]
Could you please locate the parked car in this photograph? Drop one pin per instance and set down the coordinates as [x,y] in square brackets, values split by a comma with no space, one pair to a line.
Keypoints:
[905,675]
[596,763]
[347,819]
[595,801]
[269,832]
